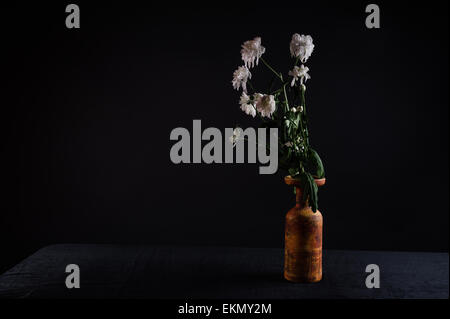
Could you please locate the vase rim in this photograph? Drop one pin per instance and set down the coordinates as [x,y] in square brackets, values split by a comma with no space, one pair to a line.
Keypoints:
[296,182]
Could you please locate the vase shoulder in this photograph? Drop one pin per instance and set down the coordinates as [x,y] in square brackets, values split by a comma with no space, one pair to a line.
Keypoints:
[304,213]
[289,180]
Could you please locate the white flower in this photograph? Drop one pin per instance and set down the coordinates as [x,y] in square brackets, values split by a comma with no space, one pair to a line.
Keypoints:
[293,110]
[301,46]
[251,51]
[240,77]
[265,104]
[246,105]
[235,137]
[299,72]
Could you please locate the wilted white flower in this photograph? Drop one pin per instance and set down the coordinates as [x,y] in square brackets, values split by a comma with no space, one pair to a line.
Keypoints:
[265,104]
[301,46]
[235,137]
[299,73]
[251,51]
[300,108]
[240,77]
[288,144]
[246,105]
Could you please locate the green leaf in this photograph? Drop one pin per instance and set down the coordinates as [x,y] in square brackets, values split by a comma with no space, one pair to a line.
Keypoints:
[310,189]
[314,164]
[293,171]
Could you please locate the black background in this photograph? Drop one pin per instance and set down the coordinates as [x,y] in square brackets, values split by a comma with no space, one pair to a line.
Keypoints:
[86,118]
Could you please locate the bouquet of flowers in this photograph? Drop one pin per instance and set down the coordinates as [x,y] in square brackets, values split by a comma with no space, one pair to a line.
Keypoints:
[284,107]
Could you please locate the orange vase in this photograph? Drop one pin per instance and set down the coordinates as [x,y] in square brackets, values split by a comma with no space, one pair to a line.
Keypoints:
[303,239]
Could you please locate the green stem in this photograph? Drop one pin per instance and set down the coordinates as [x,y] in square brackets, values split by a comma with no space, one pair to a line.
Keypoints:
[286,98]
[305,132]
[271,69]
[280,89]
[251,86]
[259,115]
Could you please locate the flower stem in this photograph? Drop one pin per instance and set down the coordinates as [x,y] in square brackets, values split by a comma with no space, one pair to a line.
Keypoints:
[305,118]
[251,86]
[259,115]
[280,89]
[285,97]
[271,69]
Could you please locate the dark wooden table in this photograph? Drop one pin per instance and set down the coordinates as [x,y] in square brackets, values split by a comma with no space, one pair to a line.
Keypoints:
[115,271]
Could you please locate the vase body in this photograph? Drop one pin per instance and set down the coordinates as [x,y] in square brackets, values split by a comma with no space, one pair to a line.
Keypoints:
[303,243]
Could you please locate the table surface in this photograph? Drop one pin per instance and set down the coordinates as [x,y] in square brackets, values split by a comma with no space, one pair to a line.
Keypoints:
[120,271]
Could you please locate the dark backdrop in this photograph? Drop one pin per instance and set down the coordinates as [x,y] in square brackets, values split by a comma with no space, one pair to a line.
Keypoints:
[87,114]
